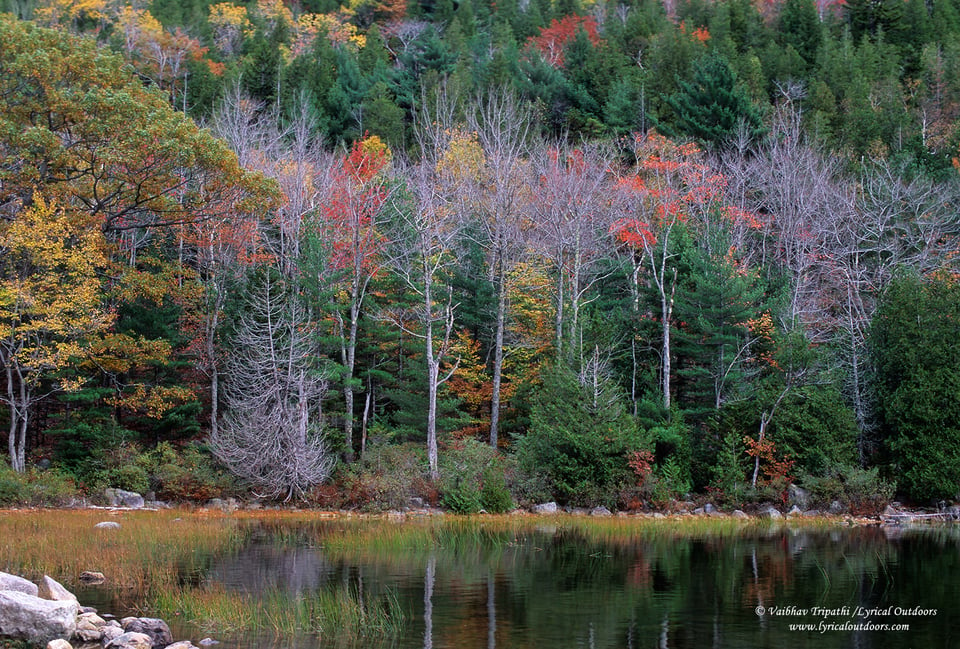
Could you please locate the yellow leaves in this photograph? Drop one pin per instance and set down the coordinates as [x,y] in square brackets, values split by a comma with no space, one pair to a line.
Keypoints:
[66,12]
[228,14]
[50,289]
[463,160]
[154,401]
[230,23]
[273,12]
[336,26]
[120,353]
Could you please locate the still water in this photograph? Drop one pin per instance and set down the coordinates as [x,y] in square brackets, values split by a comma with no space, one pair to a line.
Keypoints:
[570,583]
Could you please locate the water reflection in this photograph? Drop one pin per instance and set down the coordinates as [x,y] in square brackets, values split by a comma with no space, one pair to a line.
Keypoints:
[566,585]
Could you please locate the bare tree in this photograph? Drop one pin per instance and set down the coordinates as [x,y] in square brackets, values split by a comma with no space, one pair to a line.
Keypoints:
[271,434]
[499,196]
[422,258]
[572,205]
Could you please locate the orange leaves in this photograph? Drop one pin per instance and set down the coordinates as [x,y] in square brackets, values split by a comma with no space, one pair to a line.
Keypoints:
[553,40]
[671,184]
[633,232]
[357,197]
[700,34]
[367,158]
[776,466]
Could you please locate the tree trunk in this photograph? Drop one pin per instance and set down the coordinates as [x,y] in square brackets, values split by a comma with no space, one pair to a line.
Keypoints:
[214,373]
[498,363]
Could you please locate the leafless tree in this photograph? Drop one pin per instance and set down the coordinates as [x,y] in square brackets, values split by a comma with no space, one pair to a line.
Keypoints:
[422,259]
[499,195]
[571,201]
[271,432]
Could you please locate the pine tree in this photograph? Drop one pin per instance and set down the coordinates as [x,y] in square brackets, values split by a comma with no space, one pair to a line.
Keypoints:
[712,107]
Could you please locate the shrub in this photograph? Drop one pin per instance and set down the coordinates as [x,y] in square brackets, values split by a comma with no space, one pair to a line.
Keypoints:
[387,477]
[494,495]
[188,474]
[578,439]
[861,491]
[464,498]
[472,477]
[48,488]
[130,477]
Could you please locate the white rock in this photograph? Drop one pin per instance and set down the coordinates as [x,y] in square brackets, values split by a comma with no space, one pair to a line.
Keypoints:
[131,640]
[545,508]
[36,620]
[59,643]
[108,525]
[19,584]
[50,588]
[122,498]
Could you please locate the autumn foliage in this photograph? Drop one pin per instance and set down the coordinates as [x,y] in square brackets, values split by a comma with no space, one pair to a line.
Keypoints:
[554,38]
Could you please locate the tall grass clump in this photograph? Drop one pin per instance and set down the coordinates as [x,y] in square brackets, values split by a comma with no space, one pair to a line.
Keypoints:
[339,614]
[147,552]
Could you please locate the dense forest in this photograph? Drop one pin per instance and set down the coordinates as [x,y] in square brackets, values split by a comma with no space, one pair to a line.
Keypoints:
[481,252]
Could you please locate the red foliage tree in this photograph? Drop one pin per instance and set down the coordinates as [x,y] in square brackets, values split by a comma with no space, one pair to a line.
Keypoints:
[553,40]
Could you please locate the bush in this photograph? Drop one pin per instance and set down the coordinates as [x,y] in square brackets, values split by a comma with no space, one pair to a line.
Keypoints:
[386,477]
[472,477]
[188,474]
[50,488]
[861,491]
[578,439]
[494,495]
[129,477]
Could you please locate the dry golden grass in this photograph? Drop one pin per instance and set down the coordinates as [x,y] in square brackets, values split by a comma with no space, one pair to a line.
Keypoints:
[146,552]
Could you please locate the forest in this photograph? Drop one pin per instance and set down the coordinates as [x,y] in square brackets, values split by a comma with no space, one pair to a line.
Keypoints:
[481,253]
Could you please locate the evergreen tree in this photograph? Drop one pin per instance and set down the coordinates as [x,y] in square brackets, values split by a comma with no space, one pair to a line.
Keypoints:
[917,356]
[712,107]
[799,27]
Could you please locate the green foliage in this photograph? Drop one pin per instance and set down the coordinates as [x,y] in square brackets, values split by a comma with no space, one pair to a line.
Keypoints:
[917,356]
[472,477]
[712,106]
[859,490]
[578,438]
[35,488]
[187,474]
[386,477]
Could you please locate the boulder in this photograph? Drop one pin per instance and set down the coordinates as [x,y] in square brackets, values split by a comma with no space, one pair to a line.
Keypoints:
[122,498]
[600,511]
[227,505]
[131,640]
[90,627]
[108,525]
[51,589]
[798,496]
[36,620]
[183,644]
[739,513]
[155,628]
[836,507]
[771,512]
[207,642]
[19,584]
[59,643]
[710,508]
[545,508]
[110,631]
[92,577]
[795,511]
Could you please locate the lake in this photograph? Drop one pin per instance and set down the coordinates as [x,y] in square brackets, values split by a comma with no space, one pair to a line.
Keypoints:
[516,582]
